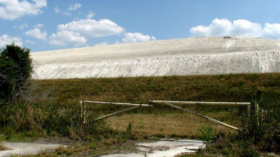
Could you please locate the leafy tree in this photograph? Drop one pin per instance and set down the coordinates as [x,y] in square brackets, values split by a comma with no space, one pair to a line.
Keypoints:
[15,70]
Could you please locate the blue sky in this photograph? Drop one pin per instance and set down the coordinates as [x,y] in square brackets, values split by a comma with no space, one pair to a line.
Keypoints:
[55,24]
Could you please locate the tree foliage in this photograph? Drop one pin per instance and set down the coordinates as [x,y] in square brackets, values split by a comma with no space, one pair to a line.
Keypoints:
[15,71]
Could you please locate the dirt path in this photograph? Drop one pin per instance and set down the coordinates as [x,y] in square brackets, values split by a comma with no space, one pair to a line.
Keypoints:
[167,148]
[163,148]
[27,148]
[32,148]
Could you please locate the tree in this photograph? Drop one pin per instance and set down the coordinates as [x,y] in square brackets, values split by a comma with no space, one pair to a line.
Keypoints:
[15,71]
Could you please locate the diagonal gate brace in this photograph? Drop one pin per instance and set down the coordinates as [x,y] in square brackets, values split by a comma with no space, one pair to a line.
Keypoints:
[118,112]
[84,110]
[202,116]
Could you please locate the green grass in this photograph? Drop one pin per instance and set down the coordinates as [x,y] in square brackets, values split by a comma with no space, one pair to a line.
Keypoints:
[236,88]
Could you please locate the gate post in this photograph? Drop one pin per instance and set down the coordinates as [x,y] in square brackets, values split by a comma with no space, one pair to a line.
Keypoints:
[83,111]
[81,106]
[256,106]
[249,110]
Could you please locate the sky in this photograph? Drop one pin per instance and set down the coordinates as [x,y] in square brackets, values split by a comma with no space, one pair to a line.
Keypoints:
[43,25]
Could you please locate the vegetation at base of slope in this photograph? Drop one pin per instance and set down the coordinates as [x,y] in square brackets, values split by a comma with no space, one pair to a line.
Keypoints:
[52,109]
[236,88]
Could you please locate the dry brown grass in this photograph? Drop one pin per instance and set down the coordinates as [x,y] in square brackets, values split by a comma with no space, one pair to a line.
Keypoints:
[164,125]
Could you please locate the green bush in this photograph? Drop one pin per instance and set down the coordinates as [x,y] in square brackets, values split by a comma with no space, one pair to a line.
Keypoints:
[263,129]
[15,70]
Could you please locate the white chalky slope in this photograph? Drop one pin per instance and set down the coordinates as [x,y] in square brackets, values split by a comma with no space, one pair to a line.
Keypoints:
[190,56]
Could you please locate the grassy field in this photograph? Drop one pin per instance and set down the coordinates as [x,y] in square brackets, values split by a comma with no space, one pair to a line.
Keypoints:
[53,108]
[141,89]
[159,119]
[176,125]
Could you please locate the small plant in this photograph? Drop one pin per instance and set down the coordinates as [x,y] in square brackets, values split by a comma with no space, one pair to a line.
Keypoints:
[129,129]
[208,134]
[127,134]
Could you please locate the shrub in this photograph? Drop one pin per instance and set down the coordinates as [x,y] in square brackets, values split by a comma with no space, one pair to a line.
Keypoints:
[263,129]
[15,70]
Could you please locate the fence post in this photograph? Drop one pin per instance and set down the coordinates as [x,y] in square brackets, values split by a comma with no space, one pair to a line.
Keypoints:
[85,112]
[256,106]
[257,101]
[249,110]
[82,112]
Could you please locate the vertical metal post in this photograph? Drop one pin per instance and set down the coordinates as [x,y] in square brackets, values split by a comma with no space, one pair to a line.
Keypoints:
[85,113]
[257,111]
[256,108]
[249,110]
[82,112]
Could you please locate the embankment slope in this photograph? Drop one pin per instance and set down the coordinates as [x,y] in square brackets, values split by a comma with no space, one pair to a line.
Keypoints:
[190,56]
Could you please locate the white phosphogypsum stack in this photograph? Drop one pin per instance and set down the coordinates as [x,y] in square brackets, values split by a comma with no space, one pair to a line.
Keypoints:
[190,56]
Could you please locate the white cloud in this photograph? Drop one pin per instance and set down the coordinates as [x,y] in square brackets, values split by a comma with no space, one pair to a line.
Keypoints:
[90,15]
[75,32]
[246,28]
[74,7]
[71,8]
[36,33]
[23,26]
[56,10]
[240,27]
[137,37]
[63,38]
[30,42]
[92,28]
[272,31]
[6,40]
[13,9]
[39,25]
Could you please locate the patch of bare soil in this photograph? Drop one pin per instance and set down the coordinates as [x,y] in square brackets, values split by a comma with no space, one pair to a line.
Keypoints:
[48,144]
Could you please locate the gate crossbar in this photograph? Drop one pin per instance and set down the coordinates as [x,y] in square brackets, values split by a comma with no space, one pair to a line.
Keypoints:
[202,103]
[116,103]
[248,104]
